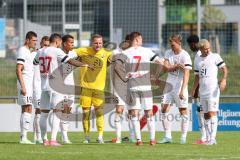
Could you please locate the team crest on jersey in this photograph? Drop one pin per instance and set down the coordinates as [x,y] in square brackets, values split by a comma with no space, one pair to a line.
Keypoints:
[103,55]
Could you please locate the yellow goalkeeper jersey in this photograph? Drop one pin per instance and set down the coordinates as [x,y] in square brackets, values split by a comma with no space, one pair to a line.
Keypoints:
[93,79]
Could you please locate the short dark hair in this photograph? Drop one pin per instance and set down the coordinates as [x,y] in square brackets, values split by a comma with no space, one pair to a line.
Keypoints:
[133,35]
[96,36]
[193,39]
[126,43]
[31,34]
[54,37]
[127,37]
[45,38]
[66,37]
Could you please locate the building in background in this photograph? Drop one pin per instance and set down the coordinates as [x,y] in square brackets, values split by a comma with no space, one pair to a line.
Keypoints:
[95,17]
[155,19]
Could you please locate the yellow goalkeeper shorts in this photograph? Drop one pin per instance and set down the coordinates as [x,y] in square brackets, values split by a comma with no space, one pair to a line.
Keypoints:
[91,97]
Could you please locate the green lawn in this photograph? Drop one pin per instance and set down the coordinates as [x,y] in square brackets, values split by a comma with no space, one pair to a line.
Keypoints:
[8,78]
[227,148]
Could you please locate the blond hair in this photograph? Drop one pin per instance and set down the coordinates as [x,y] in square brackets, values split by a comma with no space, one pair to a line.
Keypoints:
[96,36]
[176,38]
[203,43]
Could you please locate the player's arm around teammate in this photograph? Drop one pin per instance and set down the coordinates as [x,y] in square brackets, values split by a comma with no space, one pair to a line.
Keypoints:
[37,94]
[177,63]
[140,94]
[119,81]
[93,84]
[192,41]
[50,60]
[67,46]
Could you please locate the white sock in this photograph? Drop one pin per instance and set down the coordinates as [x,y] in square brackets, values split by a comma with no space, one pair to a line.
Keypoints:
[118,125]
[167,125]
[25,121]
[55,127]
[184,125]
[36,127]
[151,127]
[201,126]
[136,127]
[214,125]
[208,128]
[43,125]
[22,134]
[64,128]
[100,136]
[131,129]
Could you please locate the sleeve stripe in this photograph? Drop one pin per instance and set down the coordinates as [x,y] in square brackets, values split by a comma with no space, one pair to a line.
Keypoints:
[20,59]
[220,63]
[153,57]
[64,58]
[35,62]
[188,65]
[196,70]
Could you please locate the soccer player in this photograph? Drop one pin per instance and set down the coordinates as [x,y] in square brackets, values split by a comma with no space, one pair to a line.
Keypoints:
[119,87]
[49,60]
[178,65]
[93,84]
[37,94]
[192,41]
[24,71]
[44,42]
[206,74]
[67,46]
[139,92]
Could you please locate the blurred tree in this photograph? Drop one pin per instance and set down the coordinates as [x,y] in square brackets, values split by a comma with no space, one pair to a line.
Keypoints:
[212,19]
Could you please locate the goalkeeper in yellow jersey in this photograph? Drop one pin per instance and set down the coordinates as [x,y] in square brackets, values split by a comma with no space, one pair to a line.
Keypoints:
[92,84]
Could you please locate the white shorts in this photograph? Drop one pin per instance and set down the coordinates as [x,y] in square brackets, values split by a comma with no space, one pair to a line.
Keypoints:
[69,99]
[51,100]
[36,97]
[140,100]
[210,104]
[173,97]
[118,100]
[27,99]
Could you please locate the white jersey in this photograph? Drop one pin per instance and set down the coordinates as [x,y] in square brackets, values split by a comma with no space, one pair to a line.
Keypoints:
[176,78]
[68,69]
[139,60]
[49,60]
[118,79]
[25,57]
[207,69]
[36,76]
[36,84]
[198,54]
[114,78]
[118,58]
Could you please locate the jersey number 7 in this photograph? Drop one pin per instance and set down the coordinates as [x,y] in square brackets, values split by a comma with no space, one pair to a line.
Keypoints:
[138,60]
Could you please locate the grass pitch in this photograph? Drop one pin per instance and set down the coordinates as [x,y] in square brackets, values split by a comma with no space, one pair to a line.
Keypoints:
[227,148]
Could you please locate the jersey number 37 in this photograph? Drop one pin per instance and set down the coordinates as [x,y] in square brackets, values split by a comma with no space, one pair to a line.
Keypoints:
[45,63]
